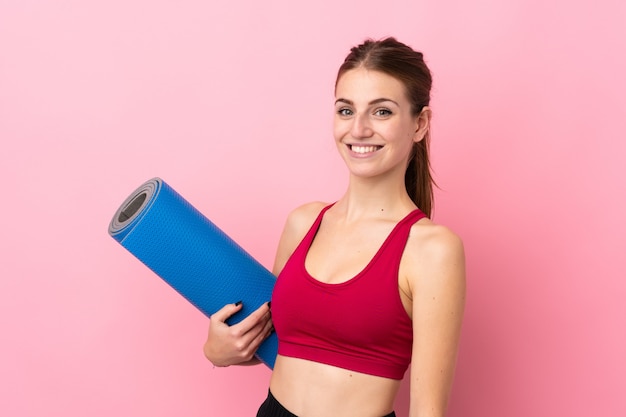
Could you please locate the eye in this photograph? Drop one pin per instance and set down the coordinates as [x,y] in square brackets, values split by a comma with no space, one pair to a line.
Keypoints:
[383,112]
[345,112]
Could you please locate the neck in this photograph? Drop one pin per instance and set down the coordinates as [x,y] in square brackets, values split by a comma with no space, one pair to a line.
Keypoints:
[367,197]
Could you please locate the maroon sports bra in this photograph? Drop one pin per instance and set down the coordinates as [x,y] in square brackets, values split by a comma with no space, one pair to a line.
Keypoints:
[360,324]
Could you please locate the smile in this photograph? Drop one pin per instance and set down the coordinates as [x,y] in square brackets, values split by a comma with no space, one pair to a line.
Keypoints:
[364,148]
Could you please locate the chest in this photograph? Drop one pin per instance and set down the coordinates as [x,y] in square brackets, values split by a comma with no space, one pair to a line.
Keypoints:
[363,312]
[340,252]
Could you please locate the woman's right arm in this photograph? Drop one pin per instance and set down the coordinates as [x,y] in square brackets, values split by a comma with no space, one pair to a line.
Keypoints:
[235,345]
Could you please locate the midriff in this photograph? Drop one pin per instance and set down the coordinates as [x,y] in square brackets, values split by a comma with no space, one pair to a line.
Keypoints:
[312,389]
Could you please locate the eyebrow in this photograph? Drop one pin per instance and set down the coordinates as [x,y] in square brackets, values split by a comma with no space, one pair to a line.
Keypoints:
[376,101]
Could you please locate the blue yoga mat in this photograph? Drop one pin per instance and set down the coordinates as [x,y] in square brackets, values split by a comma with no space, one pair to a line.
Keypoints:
[159,227]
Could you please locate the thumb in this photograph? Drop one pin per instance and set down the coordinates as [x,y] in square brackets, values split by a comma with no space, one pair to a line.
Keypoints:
[225,312]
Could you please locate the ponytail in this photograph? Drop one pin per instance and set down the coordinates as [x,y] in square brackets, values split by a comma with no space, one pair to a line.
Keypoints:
[418,178]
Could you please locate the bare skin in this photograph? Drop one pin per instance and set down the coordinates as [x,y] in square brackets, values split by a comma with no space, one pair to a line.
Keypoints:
[374,132]
[238,342]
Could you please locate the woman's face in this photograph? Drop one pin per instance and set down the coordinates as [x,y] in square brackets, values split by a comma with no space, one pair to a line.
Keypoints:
[373,127]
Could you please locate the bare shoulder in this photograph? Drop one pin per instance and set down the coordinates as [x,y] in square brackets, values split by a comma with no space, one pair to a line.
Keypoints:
[434,239]
[303,216]
[434,253]
[298,223]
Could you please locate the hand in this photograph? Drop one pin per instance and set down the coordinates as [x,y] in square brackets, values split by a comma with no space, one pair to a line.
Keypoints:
[235,345]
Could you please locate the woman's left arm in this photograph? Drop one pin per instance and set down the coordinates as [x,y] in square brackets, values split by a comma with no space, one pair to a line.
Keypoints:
[436,275]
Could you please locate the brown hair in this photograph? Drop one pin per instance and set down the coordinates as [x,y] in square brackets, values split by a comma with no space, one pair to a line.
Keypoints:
[406,65]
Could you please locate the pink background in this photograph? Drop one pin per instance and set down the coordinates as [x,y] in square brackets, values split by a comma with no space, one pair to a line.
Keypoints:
[231,103]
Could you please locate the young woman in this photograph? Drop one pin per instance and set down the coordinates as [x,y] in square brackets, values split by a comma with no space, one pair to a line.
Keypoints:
[368,284]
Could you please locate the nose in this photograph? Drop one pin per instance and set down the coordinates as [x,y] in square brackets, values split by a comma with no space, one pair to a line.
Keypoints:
[361,127]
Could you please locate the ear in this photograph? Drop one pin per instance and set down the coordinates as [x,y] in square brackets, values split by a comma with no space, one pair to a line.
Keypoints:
[422,124]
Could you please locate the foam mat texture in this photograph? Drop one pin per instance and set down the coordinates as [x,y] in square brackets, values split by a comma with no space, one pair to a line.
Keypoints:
[193,255]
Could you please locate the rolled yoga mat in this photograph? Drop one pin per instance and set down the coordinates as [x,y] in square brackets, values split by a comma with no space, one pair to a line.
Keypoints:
[189,252]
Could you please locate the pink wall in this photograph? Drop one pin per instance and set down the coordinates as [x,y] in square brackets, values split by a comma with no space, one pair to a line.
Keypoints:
[231,103]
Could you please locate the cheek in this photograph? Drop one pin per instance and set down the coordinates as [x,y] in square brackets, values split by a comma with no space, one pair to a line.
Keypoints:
[339,129]
[404,132]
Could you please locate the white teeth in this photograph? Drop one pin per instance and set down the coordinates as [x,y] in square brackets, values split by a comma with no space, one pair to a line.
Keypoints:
[363,149]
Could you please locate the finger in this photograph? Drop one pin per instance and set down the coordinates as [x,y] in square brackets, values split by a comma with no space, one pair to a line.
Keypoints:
[254,336]
[265,332]
[261,331]
[268,329]
[225,312]
[258,316]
